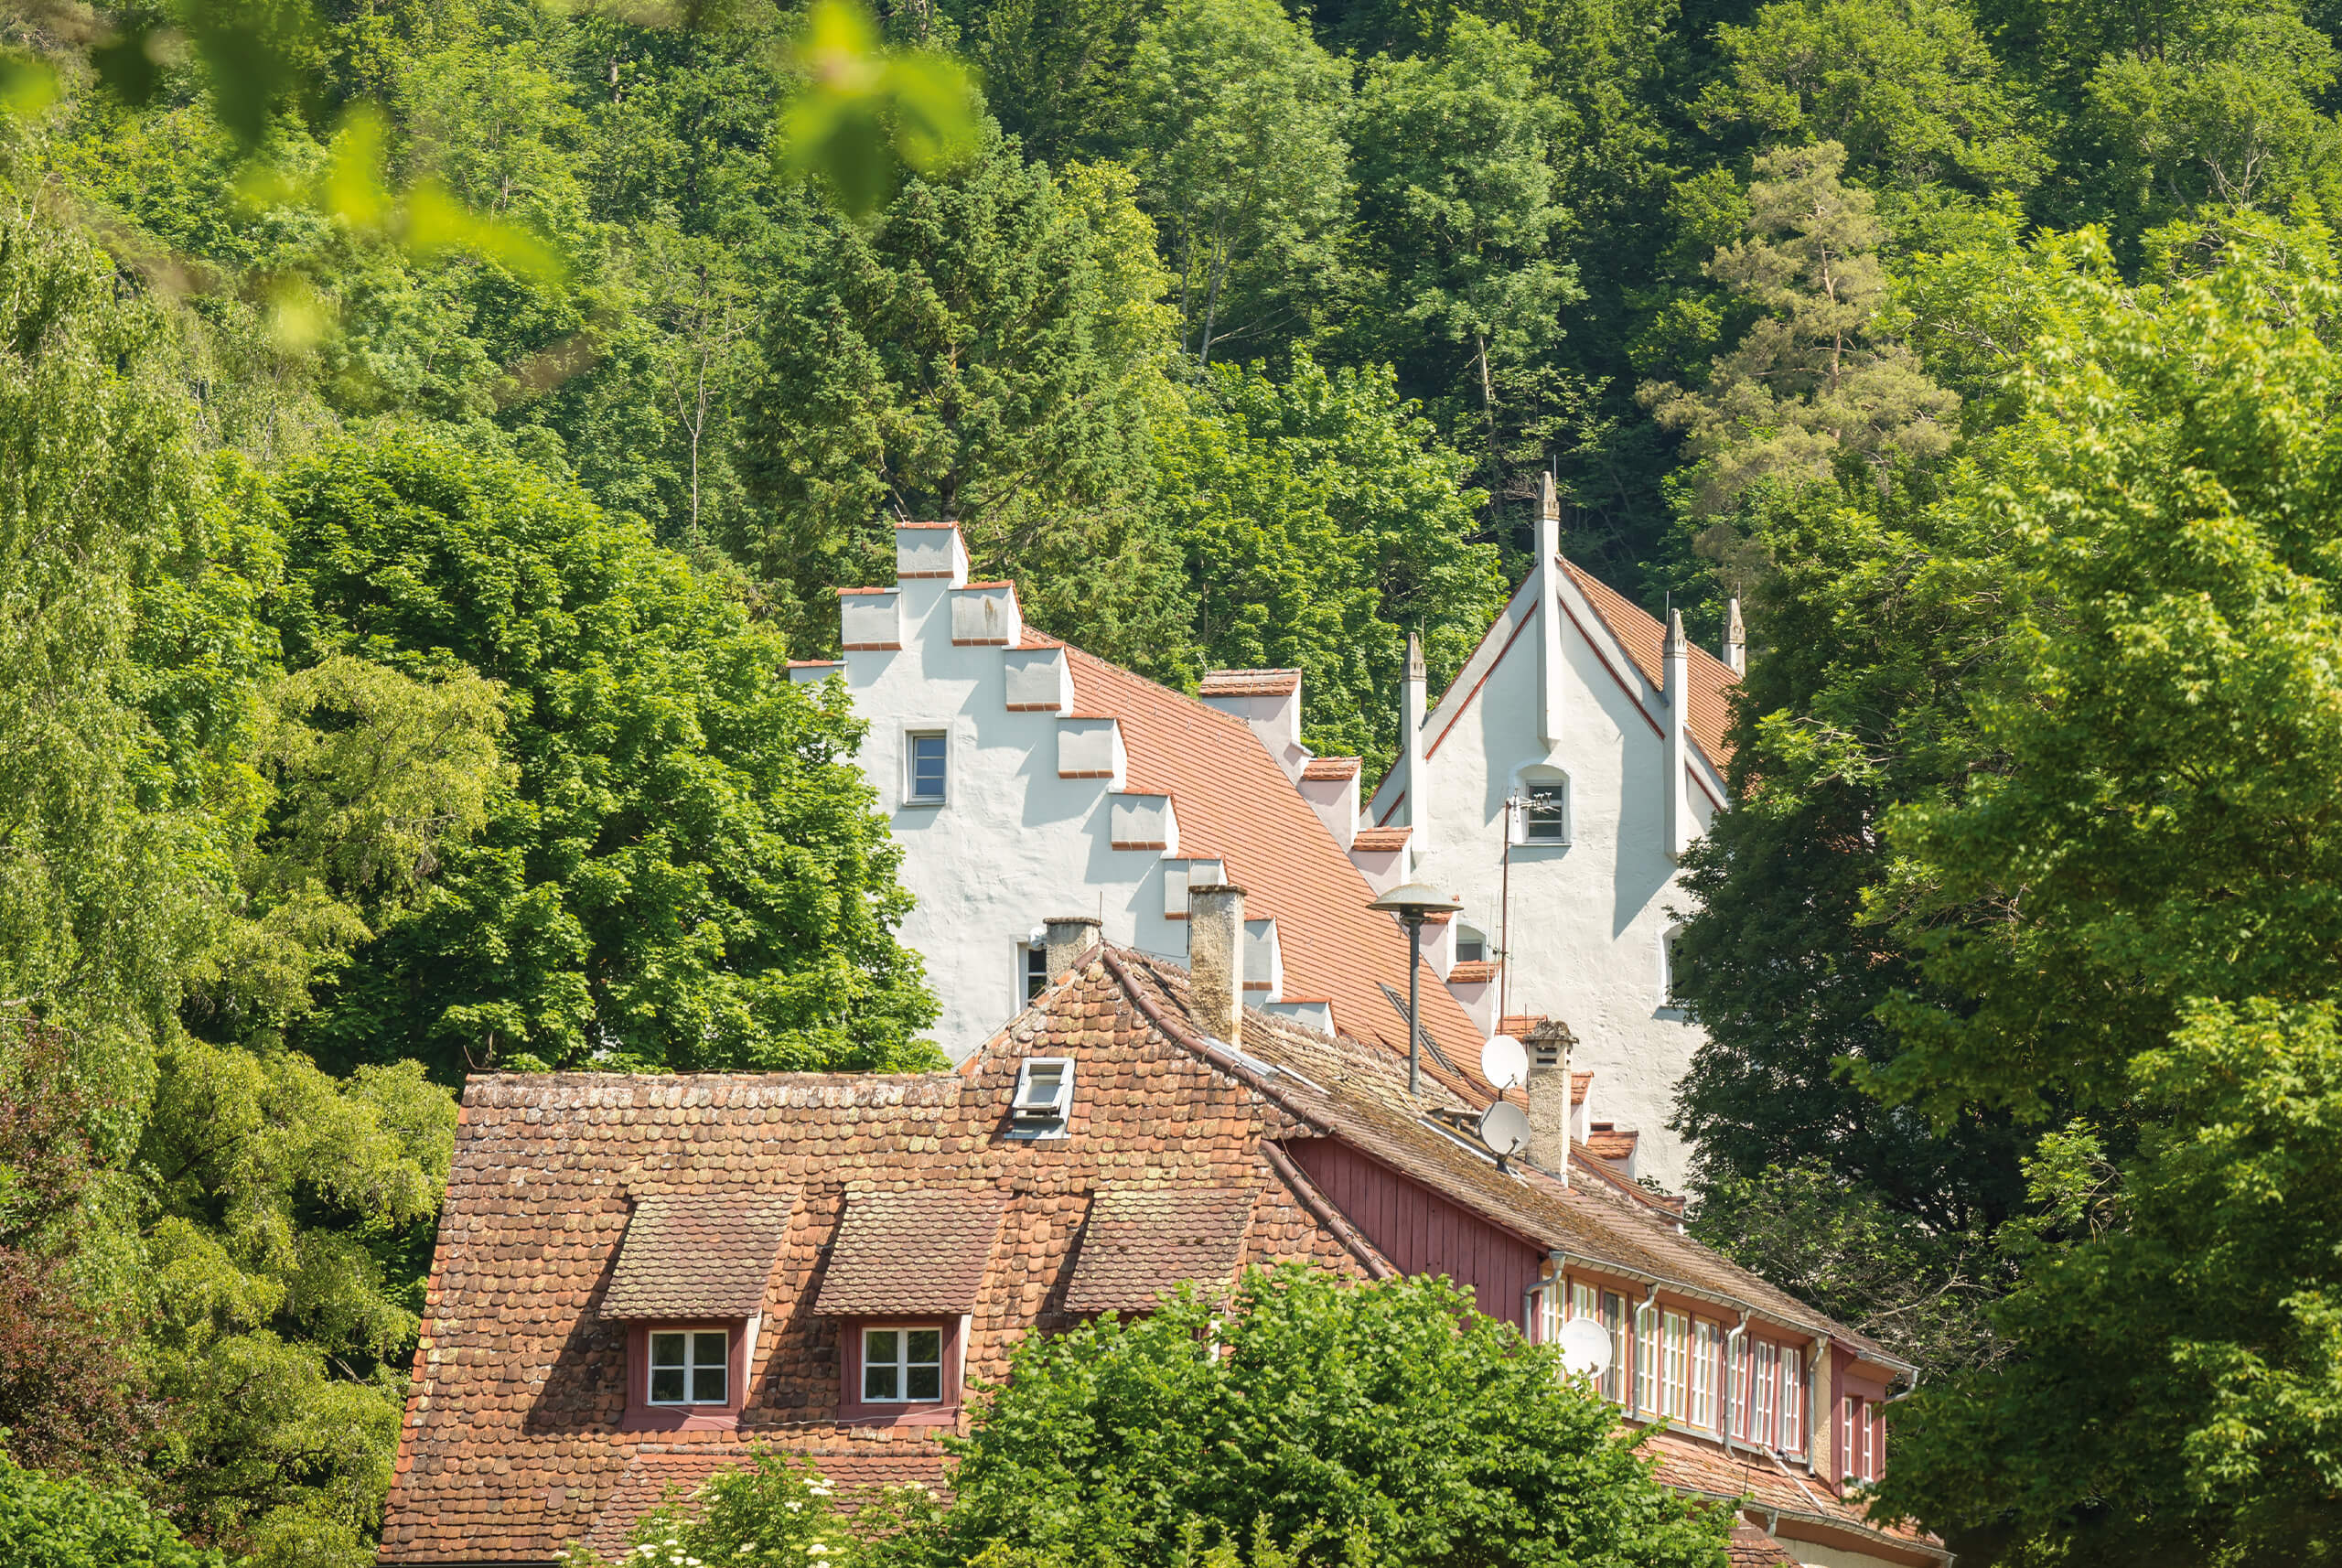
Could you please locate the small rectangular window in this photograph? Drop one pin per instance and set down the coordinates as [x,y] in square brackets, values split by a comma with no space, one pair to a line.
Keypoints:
[1646,1366]
[1761,1408]
[1545,815]
[1044,1094]
[1848,1461]
[690,1367]
[927,764]
[1471,947]
[902,1366]
[1036,959]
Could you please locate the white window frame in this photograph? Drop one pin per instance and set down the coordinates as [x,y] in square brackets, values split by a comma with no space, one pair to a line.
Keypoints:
[1647,1388]
[1545,779]
[1707,1361]
[1034,1124]
[691,1366]
[1675,1346]
[1668,1006]
[912,736]
[1474,935]
[1765,1408]
[902,1364]
[1026,953]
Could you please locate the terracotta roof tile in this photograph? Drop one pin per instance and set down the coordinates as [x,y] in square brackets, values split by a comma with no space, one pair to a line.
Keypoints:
[923,1251]
[1375,839]
[1233,797]
[700,1255]
[651,1478]
[1333,769]
[1579,1083]
[1251,683]
[1605,1142]
[1690,1464]
[1475,971]
[1138,1244]
[1645,640]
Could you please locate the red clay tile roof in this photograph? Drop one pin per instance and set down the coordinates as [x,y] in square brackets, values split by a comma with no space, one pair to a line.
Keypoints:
[911,1252]
[1689,1465]
[1645,640]
[1336,769]
[1518,1025]
[697,1256]
[1251,683]
[1605,1142]
[651,1478]
[513,1445]
[1381,838]
[1139,1244]
[1239,806]
[1474,971]
[1578,1085]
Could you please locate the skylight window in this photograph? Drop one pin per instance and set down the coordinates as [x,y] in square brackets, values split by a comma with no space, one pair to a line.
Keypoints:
[1044,1095]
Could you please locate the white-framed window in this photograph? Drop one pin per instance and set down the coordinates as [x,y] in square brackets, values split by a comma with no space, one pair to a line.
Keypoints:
[1869,1423]
[1768,1369]
[1647,1383]
[1792,1400]
[1707,1361]
[690,1366]
[1044,1096]
[1675,1336]
[902,1366]
[927,767]
[1736,1387]
[1545,810]
[1032,971]
[1471,946]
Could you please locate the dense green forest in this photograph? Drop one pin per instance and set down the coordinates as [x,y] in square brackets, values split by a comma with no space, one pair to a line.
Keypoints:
[426,432]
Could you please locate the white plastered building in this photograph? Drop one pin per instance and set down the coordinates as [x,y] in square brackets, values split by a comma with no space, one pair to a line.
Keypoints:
[1028,783]
[1553,789]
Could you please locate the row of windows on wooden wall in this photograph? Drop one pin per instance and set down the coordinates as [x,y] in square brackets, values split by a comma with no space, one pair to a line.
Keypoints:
[1676,1366]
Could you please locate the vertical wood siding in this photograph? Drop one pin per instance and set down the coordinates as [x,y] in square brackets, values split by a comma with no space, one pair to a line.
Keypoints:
[1420,1232]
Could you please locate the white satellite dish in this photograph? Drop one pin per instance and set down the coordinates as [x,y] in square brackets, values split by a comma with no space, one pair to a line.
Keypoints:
[1504,1128]
[1585,1346]
[1503,1063]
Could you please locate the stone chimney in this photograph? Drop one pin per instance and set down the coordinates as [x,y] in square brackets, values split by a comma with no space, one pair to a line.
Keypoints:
[1548,1044]
[1216,961]
[1677,665]
[1414,700]
[1547,580]
[1068,937]
[1735,641]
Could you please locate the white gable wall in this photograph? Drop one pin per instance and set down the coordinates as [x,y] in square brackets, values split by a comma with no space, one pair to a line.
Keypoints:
[1013,844]
[1587,918]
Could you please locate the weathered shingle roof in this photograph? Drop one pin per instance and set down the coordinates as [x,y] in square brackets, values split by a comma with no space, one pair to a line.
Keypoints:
[1139,1244]
[700,1255]
[1333,769]
[911,1252]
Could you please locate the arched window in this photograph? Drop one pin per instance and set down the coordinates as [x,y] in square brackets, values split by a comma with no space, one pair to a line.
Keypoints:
[1471,944]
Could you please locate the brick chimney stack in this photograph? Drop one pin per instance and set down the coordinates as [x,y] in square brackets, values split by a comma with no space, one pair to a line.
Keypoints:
[1216,961]
[1548,1046]
[1068,937]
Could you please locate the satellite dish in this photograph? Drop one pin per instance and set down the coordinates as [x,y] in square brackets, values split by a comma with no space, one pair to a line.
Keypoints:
[1503,1063]
[1585,1346]
[1504,1128]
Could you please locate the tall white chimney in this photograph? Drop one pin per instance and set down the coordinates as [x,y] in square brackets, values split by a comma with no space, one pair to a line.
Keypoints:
[1216,961]
[1546,578]
[1413,699]
[1678,668]
[1735,641]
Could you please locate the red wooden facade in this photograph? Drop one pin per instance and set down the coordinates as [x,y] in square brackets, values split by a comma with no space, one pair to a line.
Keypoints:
[1424,1233]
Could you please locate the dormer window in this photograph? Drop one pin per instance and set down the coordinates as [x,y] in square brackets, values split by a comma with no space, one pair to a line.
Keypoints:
[1044,1095]
[691,1367]
[902,1366]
